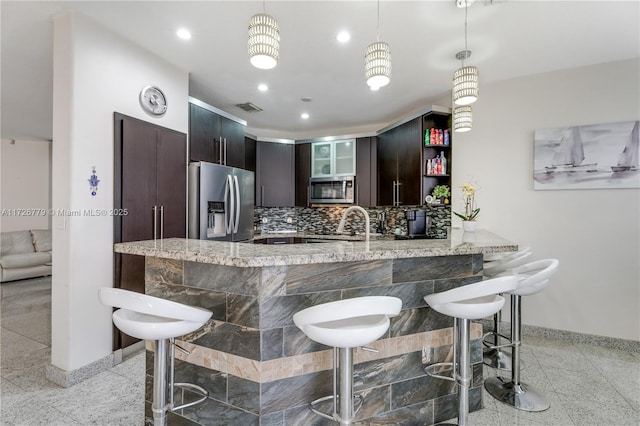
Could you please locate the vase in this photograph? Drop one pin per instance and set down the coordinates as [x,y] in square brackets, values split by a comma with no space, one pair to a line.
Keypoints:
[469,225]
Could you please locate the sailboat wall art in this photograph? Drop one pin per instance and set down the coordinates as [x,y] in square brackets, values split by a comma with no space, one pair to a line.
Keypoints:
[587,157]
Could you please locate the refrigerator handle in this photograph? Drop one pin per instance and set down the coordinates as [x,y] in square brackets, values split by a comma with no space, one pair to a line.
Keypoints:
[155,222]
[235,181]
[232,204]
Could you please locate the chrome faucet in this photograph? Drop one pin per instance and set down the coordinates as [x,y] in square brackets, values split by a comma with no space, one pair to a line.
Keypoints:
[344,219]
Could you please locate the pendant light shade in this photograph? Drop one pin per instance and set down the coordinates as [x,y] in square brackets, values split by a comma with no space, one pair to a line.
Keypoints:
[377,64]
[462,118]
[465,85]
[264,41]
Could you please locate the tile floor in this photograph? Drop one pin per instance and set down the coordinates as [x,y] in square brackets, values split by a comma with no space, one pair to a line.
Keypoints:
[586,385]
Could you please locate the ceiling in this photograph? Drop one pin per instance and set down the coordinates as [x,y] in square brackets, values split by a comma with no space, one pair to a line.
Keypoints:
[508,39]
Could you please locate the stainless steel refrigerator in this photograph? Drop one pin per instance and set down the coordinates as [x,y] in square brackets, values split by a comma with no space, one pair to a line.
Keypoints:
[220,202]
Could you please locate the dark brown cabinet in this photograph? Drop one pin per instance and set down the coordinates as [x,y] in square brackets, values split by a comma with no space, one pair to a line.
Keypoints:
[250,154]
[303,173]
[366,172]
[150,185]
[399,160]
[275,174]
[214,138]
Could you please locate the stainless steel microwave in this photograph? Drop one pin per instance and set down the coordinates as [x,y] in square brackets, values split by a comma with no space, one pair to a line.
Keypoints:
[332,190]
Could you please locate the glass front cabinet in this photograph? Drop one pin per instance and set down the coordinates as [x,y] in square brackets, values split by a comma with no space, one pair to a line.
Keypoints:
[333,158]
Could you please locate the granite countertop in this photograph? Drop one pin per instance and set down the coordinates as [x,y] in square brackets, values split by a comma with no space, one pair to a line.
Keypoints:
[246,254]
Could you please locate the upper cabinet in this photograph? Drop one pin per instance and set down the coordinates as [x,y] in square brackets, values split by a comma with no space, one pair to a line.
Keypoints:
[333,158]
[410,163]
[215,138]
[399,164]
[303,172]
[275,170]
[366,173]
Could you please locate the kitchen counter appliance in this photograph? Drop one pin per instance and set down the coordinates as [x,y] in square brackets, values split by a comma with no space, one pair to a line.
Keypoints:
[220,202]
[332,190]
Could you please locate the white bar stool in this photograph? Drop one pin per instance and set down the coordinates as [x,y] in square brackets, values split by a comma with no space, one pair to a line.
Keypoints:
[344,325]
[494,265]
[152,318]
[532,278]
[472,301]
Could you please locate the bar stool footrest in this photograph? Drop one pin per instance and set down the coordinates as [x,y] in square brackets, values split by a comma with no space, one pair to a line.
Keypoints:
[358,401]
[430,371]
[493,334]
[204,394]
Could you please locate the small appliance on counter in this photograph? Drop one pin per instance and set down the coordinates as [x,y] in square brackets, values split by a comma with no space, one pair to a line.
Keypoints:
[220,202]
[418,223]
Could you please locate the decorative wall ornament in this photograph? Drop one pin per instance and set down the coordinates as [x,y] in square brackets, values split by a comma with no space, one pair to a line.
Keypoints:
[93,181]
[597,156]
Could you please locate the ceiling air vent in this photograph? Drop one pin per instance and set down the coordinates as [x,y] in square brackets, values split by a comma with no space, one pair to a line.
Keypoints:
[249,107]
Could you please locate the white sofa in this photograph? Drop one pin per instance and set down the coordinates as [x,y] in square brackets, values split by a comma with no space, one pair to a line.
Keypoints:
[25,254]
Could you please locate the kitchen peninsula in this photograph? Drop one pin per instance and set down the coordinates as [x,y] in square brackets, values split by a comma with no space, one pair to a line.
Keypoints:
[261,370]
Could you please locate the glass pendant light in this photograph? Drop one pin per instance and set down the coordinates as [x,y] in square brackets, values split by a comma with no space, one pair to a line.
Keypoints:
[465,79]
[377,61]
[264,41]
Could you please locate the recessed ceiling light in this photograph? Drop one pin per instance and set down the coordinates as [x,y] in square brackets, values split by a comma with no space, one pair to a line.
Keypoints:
[306,99]
[304,115]
[343,37]
[183,34]
[263,87]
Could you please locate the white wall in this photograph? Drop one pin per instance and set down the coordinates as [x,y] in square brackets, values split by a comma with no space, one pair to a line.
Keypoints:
[95,74]
[25,184]
[594,233]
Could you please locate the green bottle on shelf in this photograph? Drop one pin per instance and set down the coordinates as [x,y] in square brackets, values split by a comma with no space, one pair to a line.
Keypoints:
[427,137]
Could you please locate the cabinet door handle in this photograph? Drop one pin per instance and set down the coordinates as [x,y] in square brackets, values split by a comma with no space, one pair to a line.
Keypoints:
[161,222]
[220,150]
[262,195]
[393,197]
[398,193]
[225,151]
[155,222]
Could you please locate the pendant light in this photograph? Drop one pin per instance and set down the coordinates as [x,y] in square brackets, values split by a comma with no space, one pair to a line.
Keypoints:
[462,118]
[465,79]
[377,61]
[264,41]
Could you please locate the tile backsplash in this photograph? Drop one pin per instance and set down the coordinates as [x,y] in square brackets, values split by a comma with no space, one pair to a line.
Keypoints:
[324,220]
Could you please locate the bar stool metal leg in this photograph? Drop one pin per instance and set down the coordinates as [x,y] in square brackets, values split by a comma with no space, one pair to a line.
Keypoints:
[494,356]
[163,383]
[514,392]
[159,405]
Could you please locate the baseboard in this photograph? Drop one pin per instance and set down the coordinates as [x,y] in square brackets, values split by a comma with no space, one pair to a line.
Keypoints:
[69,378]
[568,336]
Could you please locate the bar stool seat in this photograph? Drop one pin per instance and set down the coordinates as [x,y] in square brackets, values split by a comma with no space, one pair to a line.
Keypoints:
[345,325]
[532,278]
[472,301]
[152,318]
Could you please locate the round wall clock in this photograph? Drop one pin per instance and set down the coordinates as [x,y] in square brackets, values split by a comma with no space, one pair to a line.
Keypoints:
[153,100]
